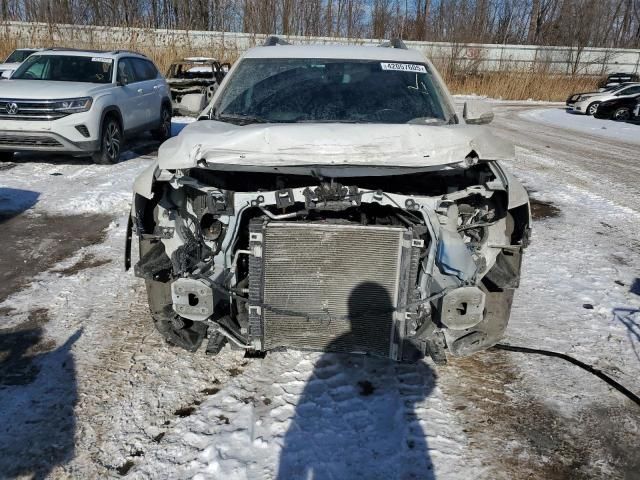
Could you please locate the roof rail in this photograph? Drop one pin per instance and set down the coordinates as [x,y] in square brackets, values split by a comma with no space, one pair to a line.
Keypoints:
[70,49]
[116,52]
[273,40]
[394,43]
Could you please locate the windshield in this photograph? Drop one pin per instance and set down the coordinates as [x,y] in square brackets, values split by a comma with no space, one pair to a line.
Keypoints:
[619,88]
[18,56]
[316,90]
[65,68]
[191,71]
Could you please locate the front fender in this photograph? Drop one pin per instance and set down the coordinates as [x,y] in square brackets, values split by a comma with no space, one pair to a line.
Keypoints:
[143,184]
[517,193]
[142,192]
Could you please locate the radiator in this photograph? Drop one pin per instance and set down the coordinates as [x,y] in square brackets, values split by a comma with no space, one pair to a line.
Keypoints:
[330,287]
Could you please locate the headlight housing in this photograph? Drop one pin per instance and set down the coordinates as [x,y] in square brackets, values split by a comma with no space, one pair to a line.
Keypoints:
[73,105]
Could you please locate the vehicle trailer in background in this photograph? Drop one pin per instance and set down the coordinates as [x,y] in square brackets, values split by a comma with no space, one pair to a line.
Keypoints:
[193,81]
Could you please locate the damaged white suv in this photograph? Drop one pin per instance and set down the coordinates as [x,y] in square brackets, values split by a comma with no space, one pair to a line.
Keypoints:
[332,200]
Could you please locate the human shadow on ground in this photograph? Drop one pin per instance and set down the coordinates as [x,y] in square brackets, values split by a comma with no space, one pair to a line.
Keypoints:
[14,201]
[38,393]
[356,417]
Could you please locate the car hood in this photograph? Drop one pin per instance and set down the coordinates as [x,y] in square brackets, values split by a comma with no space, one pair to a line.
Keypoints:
[584,96]
[330,144]
[6,69]
[9,66]
[44,89]
[585,93]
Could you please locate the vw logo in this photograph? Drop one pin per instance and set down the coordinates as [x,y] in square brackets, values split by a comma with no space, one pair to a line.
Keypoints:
[12,108]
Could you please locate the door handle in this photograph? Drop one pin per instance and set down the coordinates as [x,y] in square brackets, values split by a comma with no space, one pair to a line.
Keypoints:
[140,90]
[156,87]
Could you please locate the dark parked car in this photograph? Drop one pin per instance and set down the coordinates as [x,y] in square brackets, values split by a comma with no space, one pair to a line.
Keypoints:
[622,109]
[615,79]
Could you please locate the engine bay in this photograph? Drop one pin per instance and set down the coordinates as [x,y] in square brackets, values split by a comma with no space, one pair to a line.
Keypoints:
[398,265]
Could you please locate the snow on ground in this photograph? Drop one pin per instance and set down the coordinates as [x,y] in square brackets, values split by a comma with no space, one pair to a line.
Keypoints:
[299,415]
[578,276]
[459,99]
[64,185]
[560,117]
[100,395]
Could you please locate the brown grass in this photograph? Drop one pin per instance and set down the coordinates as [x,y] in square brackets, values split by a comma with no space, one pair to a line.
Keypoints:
[508,85]
[521,85]
[162,56]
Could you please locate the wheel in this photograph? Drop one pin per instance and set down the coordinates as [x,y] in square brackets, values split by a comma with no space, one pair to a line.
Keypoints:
[6,156]
[164,132]
[622,114]
[110,143]
[176,330]
[592,108]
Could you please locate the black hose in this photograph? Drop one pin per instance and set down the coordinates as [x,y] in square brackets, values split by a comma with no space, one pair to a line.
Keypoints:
[594,371]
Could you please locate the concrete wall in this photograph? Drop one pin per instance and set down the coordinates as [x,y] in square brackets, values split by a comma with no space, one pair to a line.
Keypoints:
[471,57]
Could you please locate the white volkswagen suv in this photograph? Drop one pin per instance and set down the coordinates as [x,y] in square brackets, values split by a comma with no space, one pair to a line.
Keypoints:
[82,103]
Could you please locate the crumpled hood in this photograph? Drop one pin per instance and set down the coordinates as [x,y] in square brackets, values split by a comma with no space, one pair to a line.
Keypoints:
[405,145]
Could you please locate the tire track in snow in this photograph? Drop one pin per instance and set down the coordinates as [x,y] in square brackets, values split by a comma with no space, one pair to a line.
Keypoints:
[607,167]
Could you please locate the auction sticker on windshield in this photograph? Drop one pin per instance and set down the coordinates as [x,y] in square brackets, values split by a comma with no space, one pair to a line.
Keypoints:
[101,60]
[404,67]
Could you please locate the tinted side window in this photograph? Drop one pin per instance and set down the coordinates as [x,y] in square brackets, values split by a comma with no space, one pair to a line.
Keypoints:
[144,69]
[153,71]
[37,69]
[126,72]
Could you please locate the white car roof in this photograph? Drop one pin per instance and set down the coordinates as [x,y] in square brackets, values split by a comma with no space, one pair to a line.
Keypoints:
[345,52]
[91,53]
[198,59]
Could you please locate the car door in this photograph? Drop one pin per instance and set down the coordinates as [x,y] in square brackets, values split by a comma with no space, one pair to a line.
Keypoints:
[151,101]
[130,96]
[160,88]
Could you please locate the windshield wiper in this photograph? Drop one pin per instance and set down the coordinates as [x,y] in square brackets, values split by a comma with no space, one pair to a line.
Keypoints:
[329,121]
[427,121]
[239,118]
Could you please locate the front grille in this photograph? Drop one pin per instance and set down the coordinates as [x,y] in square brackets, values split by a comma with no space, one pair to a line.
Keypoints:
[329,287]
[28,141]
[29,110]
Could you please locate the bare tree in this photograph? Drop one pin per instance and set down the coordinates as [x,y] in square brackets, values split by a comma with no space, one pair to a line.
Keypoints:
[577,23]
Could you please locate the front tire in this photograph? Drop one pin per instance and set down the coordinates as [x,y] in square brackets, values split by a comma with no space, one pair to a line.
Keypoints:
[592,108]
[176,330]
[622,114]
[110,143]
[6,156]
[164,132]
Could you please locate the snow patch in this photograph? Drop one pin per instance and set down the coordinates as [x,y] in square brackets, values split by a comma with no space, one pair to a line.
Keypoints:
[560,117]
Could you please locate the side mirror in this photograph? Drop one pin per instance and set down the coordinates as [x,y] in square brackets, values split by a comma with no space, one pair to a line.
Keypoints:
[477,112]
[122,81]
